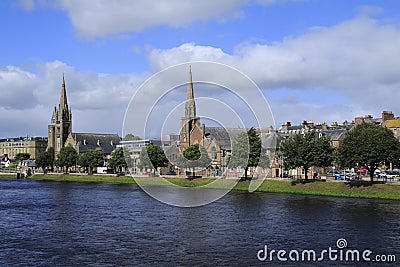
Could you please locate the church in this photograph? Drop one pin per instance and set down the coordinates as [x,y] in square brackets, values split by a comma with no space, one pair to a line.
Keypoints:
[217,140]
[60,132]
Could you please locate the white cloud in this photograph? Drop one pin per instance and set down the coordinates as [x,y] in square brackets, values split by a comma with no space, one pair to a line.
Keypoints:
[16,88]
[358,59]
[102,17]
[335,57]
[98,101]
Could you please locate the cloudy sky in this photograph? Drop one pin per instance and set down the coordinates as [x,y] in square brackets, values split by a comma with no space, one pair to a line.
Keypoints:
[321,60]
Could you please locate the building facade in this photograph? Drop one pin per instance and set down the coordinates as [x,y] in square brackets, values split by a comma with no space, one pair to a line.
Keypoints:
[83,142]
[10,147]
[218,140]
[60,132]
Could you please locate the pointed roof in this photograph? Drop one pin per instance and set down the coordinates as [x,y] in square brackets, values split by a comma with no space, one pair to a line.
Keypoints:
[190,94]
[63,97]
[190,105]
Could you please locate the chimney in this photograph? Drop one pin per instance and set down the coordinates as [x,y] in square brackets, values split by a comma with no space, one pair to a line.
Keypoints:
[285,126]
[387,115]
[358,120]
[368,117]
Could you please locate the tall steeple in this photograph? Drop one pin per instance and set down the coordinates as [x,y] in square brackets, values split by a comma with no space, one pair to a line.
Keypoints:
[61,122]
[190,121]
[63,98]
[190,105]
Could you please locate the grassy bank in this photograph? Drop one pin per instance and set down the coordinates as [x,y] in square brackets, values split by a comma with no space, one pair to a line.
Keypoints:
[339,189]
[8,175]
[85,178]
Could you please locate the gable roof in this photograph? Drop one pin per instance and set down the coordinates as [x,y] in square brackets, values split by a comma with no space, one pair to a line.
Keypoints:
[391,123]
[223,136]
[89,141]
[334,134]
[270,140]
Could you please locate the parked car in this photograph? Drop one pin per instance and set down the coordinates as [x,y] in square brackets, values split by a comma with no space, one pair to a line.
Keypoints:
[332,172]
[285,175]
[377,173]
[388,174]
[349,175]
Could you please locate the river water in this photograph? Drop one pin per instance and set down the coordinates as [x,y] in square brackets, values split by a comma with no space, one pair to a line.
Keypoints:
[46,223]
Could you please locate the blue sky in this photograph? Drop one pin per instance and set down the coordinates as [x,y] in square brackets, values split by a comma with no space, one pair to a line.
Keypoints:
[315,60]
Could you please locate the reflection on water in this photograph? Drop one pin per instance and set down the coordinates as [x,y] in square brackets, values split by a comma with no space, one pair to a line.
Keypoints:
[75,224]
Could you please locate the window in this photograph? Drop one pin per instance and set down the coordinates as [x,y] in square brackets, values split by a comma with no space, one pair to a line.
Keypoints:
[213,153]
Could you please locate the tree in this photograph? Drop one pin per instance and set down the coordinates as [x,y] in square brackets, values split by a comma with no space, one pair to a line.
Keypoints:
[152,156]
[91,159]
[22,156]
[306,151]
[195,156]
[264,161]
[45,159]
[246,150]
[131,137]
[368,145]
[117,160]
[67,157]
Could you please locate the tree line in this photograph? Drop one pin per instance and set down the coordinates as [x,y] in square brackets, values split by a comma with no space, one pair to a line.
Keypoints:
[366,145]
[68,157]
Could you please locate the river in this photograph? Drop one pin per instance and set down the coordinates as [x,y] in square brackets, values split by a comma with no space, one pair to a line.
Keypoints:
[44,223]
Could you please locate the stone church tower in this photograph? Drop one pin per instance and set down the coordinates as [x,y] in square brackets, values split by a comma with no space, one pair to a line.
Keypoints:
[61,123]
[190,124]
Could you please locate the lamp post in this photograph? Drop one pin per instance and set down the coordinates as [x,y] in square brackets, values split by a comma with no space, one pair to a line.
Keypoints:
[223,154]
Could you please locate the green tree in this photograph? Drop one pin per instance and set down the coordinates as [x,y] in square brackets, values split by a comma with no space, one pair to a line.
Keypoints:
[45,159]
[246,150]
[368,145]
[152,156]
[91,159]
[306,151]
[67,157]
[194,156]
[117,160]
[22,156]
[131,137]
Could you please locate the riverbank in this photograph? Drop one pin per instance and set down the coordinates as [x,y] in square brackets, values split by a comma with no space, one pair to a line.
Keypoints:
[337,189]
[8,175]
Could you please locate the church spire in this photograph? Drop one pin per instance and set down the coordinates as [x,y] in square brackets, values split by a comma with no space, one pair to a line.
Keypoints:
[190,94]
[190,121]
[190,105]
[63,97]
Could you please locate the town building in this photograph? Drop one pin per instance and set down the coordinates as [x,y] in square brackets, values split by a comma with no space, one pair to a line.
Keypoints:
[133,148]
[218,140]
[83,142]
[10,147]
[61,122]
[392,123]
[60,132]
